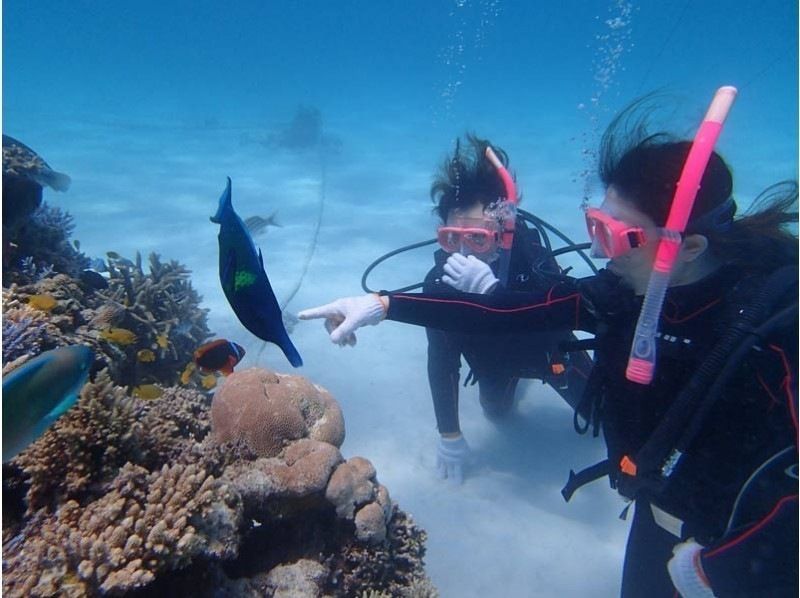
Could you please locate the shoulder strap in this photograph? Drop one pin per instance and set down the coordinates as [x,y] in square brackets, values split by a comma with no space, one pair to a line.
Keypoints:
[659,456]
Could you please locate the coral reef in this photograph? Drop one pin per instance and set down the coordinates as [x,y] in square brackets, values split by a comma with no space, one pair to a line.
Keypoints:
[105,429]
[25,332]
[391,567]
[123,495]
[157,312]
[267,410]
[145,524]
[147,487]
[24,174]
[43,247]
[160,308]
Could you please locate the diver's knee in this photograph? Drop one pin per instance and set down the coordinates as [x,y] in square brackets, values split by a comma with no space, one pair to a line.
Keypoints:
[497,410]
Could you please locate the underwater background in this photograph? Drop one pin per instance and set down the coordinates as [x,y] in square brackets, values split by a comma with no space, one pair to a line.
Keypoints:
[148,106]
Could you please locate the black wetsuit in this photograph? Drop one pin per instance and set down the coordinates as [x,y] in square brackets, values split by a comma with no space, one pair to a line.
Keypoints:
[497,362]
[755,554]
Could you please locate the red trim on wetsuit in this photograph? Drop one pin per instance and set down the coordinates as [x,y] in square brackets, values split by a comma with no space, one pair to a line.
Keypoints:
[546,303]
[787,385]
[502,310]
[767,390]
[694,314]
[752,530]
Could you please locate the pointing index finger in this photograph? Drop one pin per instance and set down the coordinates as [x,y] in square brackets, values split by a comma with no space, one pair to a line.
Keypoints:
[323,311]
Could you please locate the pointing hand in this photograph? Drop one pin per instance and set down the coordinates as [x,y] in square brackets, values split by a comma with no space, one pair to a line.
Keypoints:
[344,316]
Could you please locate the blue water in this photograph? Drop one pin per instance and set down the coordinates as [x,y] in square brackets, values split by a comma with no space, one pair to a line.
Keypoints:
[148,107]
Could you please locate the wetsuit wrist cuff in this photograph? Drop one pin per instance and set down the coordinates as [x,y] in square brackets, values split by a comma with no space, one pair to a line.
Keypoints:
[383,304]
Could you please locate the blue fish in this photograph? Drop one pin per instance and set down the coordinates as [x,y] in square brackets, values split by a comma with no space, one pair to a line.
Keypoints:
[37,393]
[245,282]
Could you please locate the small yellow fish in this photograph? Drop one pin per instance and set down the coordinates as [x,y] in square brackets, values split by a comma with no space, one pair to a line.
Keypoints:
[119,336]
[186,376]
[162,340]
[43,302]
[147,391]
[145,355]
[209,381]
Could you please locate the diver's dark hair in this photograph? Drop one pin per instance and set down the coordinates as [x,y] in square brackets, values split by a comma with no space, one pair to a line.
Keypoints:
[644,169]
[464,180]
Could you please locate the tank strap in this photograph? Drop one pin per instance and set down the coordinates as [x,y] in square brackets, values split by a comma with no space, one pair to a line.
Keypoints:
[585,476]
[660,455]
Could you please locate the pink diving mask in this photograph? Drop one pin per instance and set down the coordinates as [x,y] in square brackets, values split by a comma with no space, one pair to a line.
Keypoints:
[477,236]
[614,237]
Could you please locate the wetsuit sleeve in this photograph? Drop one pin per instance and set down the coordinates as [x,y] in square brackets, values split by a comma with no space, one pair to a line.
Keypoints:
[444,358]
[560,307]
[444,366]
[758,560]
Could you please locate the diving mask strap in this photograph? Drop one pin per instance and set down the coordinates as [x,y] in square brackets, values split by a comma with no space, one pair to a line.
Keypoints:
[718,220]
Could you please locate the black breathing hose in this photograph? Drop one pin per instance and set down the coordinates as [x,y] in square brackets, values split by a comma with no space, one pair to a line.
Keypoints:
[540,225]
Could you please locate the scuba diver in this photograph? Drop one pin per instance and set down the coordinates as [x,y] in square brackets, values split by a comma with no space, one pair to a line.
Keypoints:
[707,447]
[467,191]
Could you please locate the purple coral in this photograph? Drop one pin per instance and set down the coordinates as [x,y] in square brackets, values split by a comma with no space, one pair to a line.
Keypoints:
[43,243]
[20,337]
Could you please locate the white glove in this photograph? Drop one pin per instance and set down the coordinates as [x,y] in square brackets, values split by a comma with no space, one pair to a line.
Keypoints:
[469,274]
[686,571]
[344,316]
[452,456]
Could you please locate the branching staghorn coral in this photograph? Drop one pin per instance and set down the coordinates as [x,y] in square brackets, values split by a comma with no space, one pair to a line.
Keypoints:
[43,244]
[159,312]
[163,311]
[21,333]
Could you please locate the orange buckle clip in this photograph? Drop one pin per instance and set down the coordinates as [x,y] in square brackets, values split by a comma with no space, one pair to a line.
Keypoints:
[557,368]
[627,465]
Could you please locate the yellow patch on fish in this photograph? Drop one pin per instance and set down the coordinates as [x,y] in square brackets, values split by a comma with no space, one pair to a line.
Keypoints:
[209,381]
[119,336]
[42,302]
[147,391]
[145,355]
[186,376]
[162,340]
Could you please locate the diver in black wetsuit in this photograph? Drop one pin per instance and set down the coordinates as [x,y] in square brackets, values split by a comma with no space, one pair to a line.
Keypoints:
[464,190]
[708,449]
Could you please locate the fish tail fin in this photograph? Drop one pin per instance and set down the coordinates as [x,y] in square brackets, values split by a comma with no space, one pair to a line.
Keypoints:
[229,365]
[273,220]
[55,180]
[291,353]
[224,204]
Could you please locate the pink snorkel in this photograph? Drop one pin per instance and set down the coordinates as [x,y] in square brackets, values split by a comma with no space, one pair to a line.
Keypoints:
[641,363]
[509,214]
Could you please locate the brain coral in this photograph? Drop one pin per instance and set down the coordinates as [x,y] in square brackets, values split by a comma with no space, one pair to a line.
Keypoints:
[267,411]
